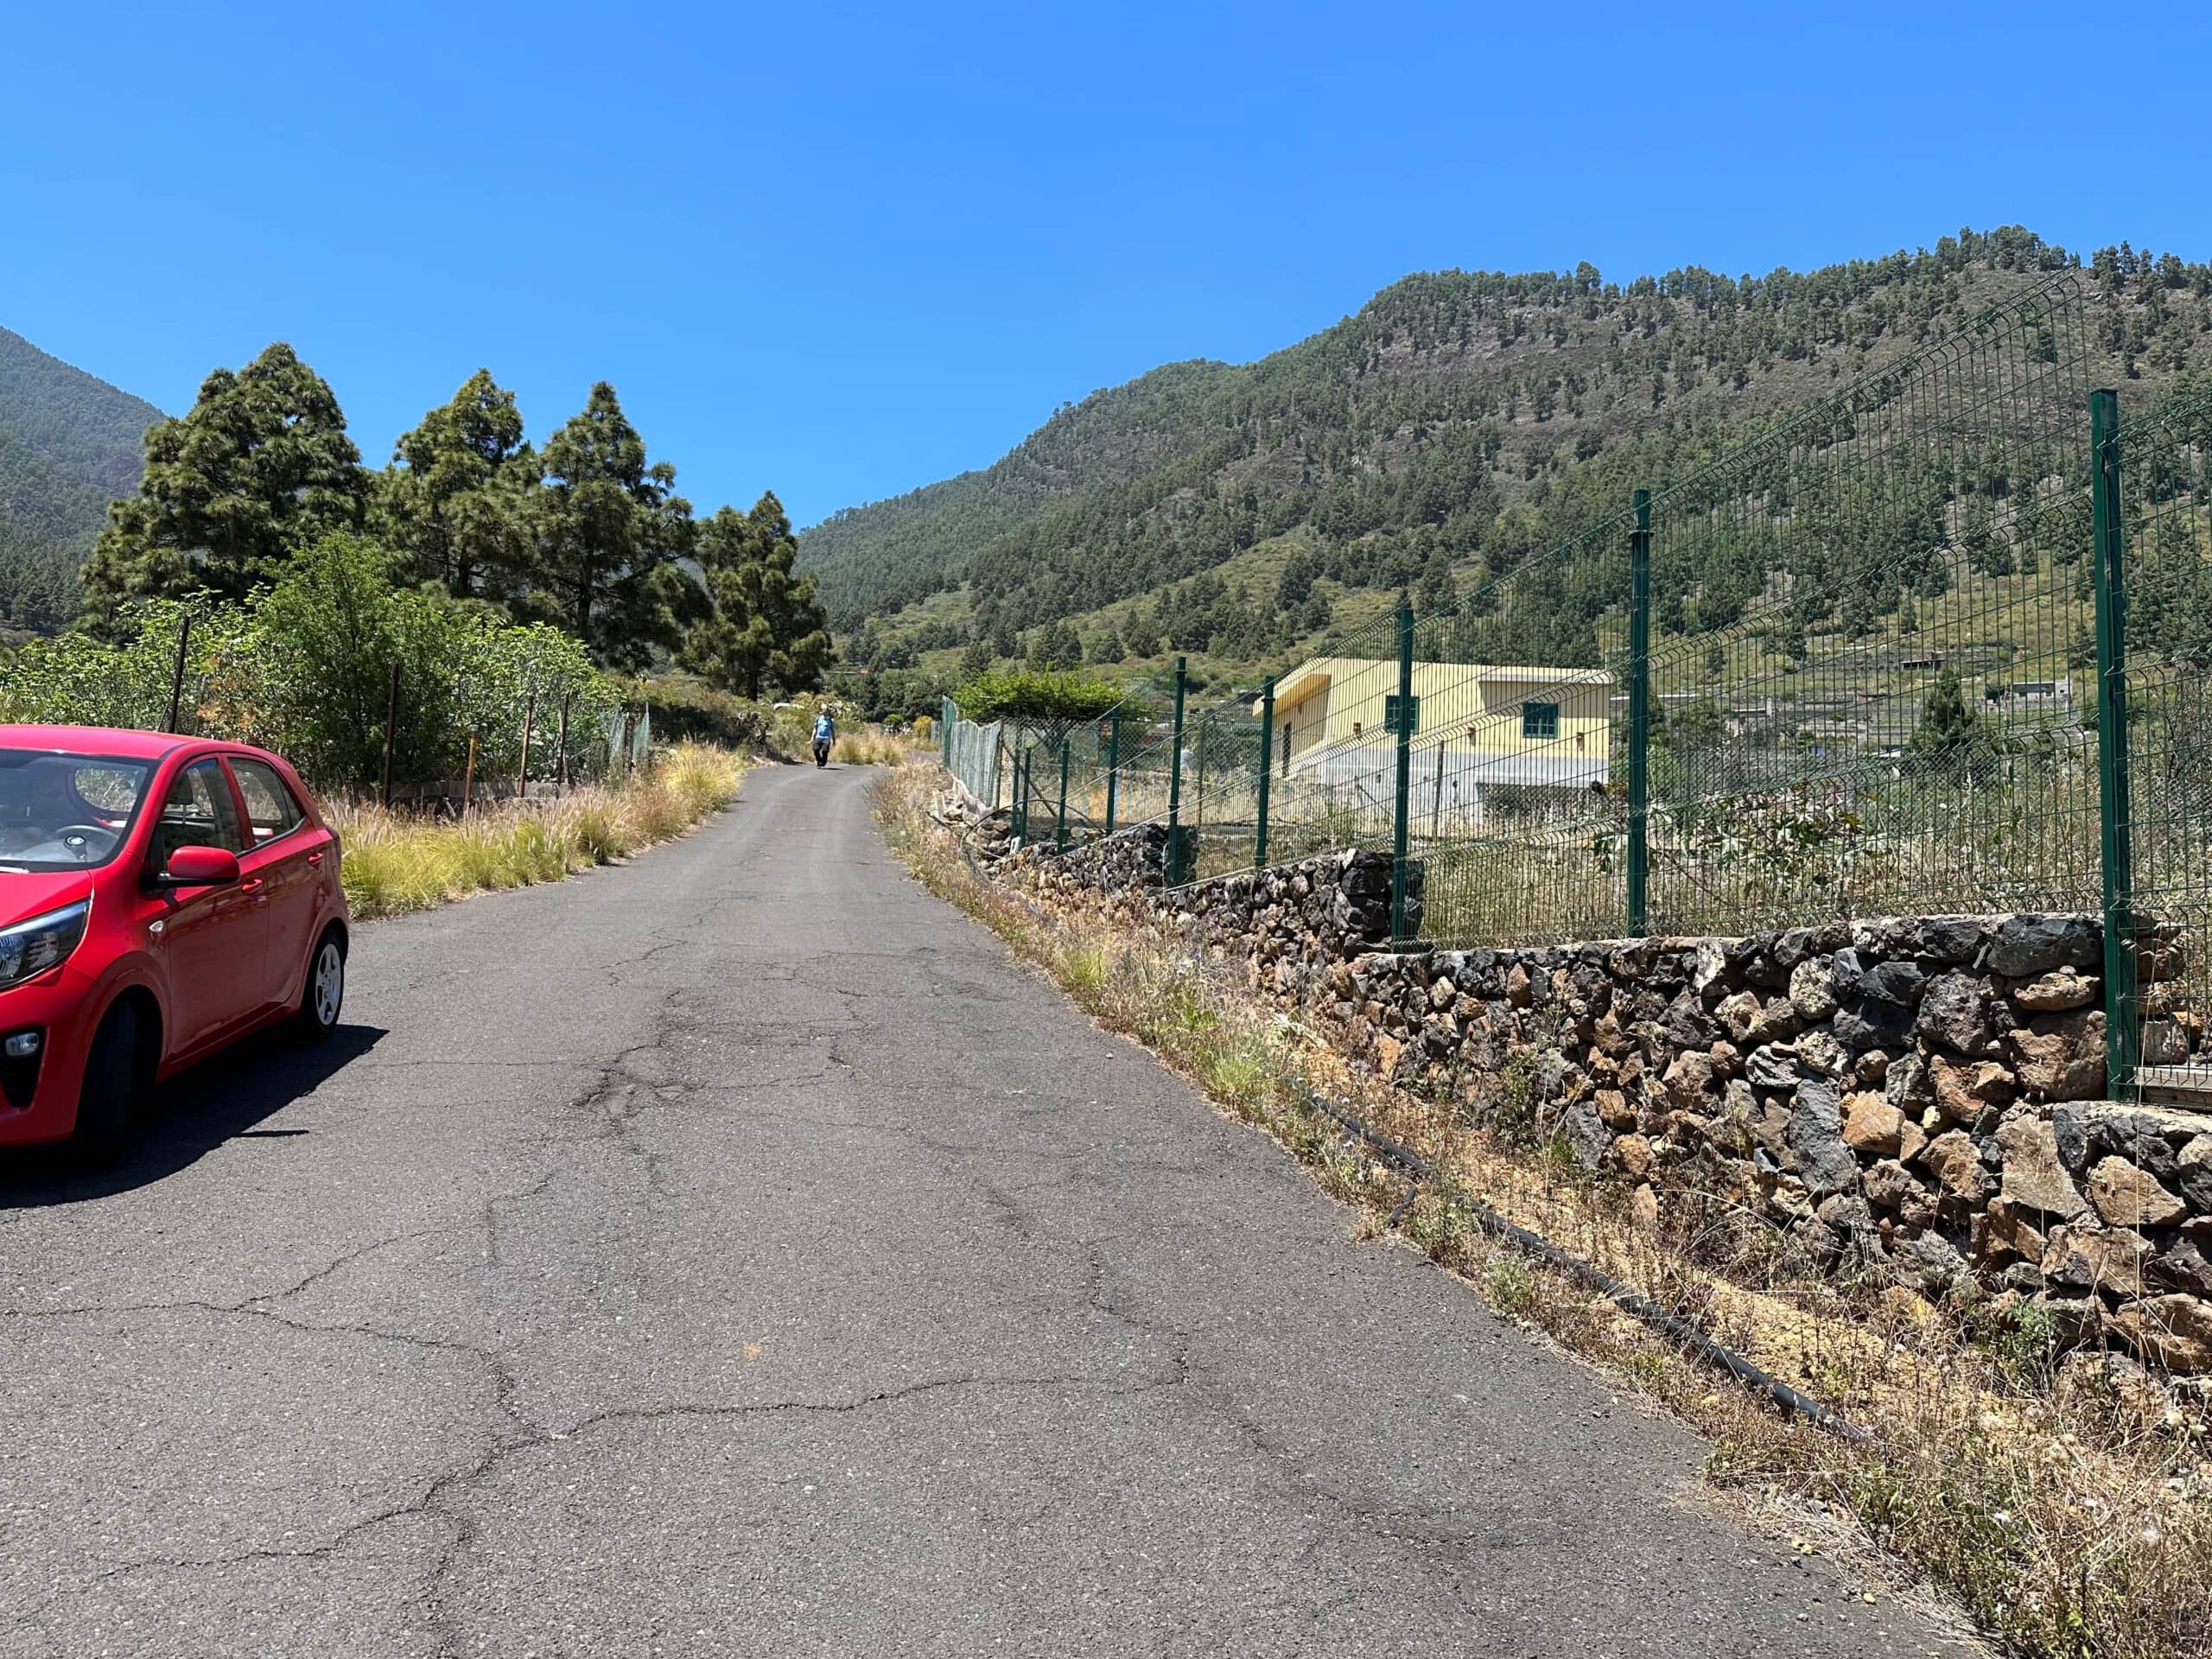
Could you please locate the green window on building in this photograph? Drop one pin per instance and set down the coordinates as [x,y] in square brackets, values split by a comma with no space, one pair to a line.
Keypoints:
[1540,720]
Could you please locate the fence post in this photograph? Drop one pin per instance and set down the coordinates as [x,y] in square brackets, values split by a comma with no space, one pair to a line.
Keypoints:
[176,680]
[561,737]
[2122,1036]
[529,717]
[1267,770]
[391,733]
[944,708]
[1060,830]
[468,778]
[1113,763]
[1174,864]
[1405,770]
[1639,719]
[1022,794]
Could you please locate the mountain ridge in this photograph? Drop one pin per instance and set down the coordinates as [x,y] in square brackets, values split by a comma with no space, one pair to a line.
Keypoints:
[1458,419]
[70,443]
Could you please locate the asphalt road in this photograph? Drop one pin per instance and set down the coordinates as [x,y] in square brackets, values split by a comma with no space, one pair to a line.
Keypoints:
[735,1254]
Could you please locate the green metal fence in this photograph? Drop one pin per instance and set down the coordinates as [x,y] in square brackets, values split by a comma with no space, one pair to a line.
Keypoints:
[1938,643]
[2154,638]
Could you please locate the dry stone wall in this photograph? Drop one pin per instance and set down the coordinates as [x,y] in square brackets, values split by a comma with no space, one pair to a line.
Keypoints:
[1921,1097]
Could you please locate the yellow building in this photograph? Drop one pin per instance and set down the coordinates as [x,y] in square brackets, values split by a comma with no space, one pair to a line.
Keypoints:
[1474,727]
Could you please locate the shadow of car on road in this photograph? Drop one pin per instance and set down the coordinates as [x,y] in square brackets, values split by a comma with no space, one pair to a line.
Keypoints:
[224,1097]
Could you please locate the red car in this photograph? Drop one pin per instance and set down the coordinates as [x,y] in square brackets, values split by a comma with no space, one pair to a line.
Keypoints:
[160,898]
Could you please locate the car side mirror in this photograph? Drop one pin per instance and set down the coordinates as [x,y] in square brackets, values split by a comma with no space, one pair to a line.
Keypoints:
[199,867]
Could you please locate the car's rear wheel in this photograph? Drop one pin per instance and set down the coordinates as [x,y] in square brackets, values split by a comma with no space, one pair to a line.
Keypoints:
[322,998]
[107,1105]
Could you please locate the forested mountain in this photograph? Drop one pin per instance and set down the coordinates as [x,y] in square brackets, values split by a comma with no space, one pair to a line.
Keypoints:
[1459,422]
[69,444]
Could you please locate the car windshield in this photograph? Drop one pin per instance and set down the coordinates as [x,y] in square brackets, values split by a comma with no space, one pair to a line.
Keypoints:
[65,811]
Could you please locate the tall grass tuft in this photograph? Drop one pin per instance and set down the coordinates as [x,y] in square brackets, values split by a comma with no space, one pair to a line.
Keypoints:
[394,862]
[872,747]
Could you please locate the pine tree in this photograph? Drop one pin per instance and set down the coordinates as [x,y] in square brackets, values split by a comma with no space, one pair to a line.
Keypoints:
[609,530]
[259,468]
[765,628]
[457,501]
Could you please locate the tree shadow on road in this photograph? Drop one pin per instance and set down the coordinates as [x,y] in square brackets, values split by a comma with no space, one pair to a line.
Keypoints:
[224,1097]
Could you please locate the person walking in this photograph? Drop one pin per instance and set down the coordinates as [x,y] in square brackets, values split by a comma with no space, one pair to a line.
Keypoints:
[826,735]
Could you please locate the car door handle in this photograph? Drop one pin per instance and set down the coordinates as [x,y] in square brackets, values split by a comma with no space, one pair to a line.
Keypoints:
[252,885]
[314,861]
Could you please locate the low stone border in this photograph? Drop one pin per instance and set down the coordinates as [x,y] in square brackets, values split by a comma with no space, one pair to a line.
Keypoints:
[1919,1096]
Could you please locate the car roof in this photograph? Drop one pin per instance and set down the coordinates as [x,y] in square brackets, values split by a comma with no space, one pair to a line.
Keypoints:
[92,740]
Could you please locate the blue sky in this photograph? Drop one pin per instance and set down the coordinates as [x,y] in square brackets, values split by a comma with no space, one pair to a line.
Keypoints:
[842,252]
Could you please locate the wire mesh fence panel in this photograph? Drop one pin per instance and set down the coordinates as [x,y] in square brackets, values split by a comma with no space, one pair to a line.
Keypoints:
[1332,752]
[1219,808]
[1867,675]
[2165,490]
[1514,797]
[1144,777]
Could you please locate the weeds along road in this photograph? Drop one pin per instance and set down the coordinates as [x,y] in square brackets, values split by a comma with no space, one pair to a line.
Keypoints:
[735,1254]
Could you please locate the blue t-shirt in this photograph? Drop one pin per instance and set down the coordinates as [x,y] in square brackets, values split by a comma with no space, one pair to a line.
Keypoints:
[825,729]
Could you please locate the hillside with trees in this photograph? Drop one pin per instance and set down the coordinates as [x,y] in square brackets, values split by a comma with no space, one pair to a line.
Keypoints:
[1459,423]
[69,444]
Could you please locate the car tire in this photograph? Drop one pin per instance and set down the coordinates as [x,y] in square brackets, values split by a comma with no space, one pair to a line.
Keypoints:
[107,1105]
[322,993]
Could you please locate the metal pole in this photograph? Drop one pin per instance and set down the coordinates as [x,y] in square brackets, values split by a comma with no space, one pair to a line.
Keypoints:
[945,714]
[1060,833]
[176,681]
[1113,764]
[560,771]
[1436,800]
[390,730]
[1175,783]
[1199,794]
[1639,717]
[1405,764]
[1267,770]
[2122,1035]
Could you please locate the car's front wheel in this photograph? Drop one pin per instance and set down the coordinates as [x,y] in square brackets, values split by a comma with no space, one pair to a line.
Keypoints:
[323,997]
[107,1105]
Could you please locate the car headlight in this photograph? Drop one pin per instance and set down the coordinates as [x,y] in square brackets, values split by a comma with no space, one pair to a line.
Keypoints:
[28,948]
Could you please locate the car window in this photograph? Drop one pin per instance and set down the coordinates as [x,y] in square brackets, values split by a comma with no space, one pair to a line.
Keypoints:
[271,811]
[198,812]
[65,811]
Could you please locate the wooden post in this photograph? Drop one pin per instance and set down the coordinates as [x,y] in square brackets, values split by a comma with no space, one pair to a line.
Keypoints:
[529,713]
[560,771]
[176,681]
[468,779]
[390,730]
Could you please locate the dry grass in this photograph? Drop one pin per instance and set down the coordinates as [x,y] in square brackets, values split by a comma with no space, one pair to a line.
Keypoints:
[871,747]
[2067,1510]
[394,862]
